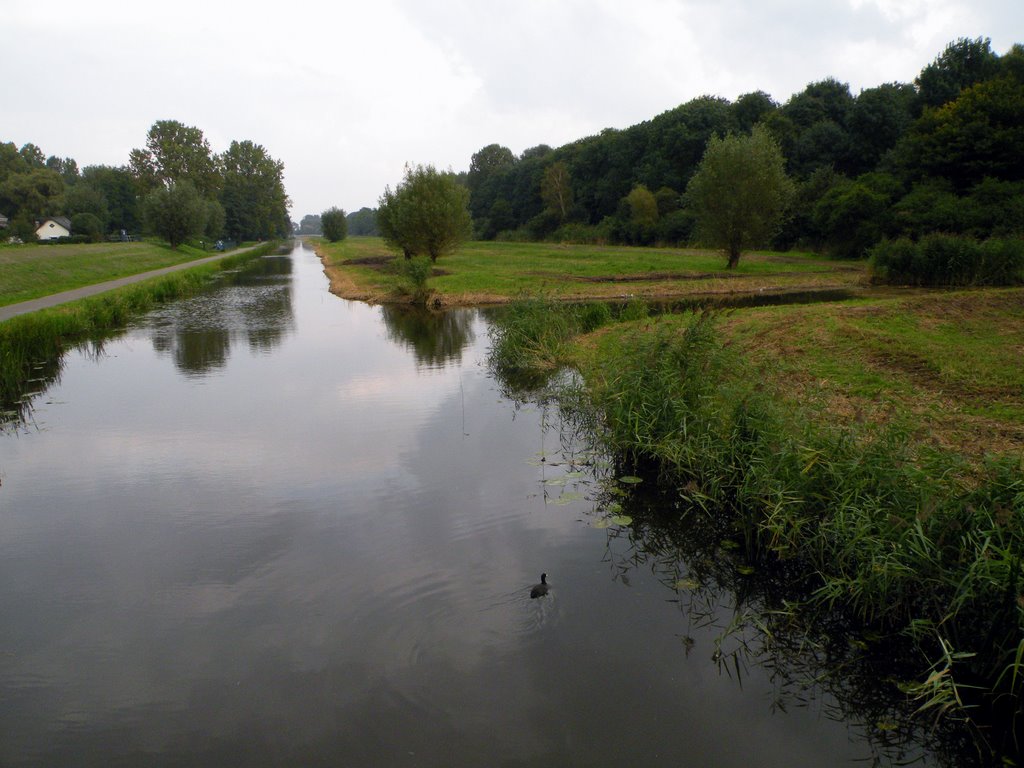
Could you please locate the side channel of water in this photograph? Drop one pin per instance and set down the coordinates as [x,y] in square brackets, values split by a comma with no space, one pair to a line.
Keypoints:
[269,527]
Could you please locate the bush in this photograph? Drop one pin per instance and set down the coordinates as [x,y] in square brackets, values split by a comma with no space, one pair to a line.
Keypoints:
[586,234]
[940,259]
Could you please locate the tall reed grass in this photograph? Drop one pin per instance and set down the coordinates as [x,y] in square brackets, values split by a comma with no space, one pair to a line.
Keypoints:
[891,536]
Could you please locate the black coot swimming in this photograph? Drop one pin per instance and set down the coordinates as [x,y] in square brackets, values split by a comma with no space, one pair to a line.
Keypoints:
[539,590]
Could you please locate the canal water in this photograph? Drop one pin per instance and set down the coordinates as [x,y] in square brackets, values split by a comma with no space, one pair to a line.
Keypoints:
[266,526]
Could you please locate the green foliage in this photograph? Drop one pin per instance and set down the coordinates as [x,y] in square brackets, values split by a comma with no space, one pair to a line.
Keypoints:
[963,63]
[425,214]
[363,222]
[980,134]
[739,192]
[850,217]
[416,271]
[252,193]
[556,189]
[175,152]
[87,225]
[175,213]
[334,222]
[940,259]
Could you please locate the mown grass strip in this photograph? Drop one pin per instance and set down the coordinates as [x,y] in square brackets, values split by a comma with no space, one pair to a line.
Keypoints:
[31,271]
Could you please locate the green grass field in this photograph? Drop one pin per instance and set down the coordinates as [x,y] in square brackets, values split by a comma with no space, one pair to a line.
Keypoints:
[944,365]
[493,272]
[30,271]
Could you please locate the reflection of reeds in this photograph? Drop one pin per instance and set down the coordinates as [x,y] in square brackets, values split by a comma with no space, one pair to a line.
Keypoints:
[890,540]
[32,346]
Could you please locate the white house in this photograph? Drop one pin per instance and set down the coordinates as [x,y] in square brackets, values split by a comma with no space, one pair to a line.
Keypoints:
[53,227]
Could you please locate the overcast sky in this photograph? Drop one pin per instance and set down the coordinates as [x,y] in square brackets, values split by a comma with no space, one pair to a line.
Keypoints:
[345,93]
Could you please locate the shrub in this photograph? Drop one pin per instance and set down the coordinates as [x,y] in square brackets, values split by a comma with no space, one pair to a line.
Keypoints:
[940,259]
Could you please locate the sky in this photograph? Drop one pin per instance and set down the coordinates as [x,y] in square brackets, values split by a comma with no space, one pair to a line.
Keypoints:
[345,93]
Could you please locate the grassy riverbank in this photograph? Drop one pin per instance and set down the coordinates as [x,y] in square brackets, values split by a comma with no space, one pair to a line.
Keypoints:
[362,268]
[873,451]
[31,271]
[30,343]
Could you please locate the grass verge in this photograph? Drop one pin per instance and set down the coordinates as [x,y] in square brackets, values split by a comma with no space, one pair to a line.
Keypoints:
[31,271]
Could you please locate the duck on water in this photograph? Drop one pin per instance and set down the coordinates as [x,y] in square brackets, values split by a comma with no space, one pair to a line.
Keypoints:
[539,590]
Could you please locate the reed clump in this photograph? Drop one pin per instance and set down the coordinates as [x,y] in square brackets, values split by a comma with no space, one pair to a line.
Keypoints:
[893,536]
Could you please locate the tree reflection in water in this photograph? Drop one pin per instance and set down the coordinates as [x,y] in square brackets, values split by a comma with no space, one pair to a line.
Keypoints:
[255,302]
[435,338]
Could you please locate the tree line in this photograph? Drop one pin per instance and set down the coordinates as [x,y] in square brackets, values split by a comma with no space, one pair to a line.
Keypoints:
[175,186]
[900,160]
[945,153]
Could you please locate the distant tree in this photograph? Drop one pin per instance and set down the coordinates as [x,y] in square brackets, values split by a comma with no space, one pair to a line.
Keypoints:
[487,170]
[335,224]
[875,123]
[175,213]
[426,214]
[556,189]
[86,198]
[750,108]
[33,156]
[253,196]
[214,220]
[176,152]
[31,195]
[739,192]
[363,222]
[490,160]
[979,134]
[121,194]
[310,225]
[643,206]
[87,225]
[963,63]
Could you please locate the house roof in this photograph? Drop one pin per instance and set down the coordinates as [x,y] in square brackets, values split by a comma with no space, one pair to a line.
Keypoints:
[64,221]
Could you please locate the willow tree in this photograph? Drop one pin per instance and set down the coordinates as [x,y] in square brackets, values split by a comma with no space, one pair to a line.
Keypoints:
[739,192]
[426,214]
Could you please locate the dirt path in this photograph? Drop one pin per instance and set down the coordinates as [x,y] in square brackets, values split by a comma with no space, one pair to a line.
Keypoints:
[56,299]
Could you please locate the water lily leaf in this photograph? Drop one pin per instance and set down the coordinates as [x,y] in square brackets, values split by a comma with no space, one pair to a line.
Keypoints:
[882,725]
[602,522]
[555,481]
[745,570]
[622,519]
[569,498]
[728,544]
[630,479]
[614,508]
[687,584]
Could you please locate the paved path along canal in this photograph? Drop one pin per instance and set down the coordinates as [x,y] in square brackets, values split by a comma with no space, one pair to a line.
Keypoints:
[56,299]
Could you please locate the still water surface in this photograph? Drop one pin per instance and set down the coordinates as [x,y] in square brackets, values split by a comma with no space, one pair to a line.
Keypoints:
[270,527]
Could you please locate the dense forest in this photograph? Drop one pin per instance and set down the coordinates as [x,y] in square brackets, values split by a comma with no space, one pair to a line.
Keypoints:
[238,194]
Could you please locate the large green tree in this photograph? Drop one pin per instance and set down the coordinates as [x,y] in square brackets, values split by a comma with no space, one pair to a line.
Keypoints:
[426,214]
[335,224]
[253,196]
[176,152]
[175,212]
[739,192]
